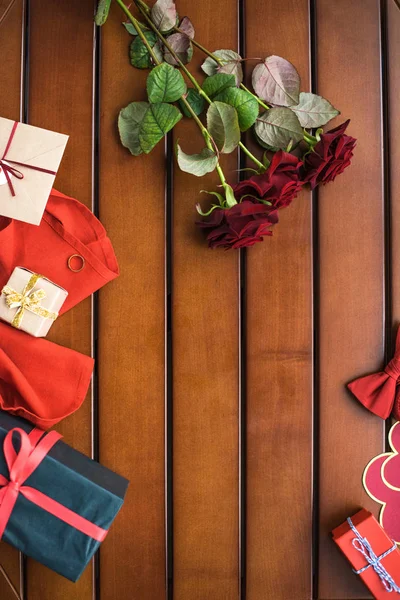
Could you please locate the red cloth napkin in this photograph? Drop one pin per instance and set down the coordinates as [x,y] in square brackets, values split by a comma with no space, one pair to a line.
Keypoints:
[67,228]
[379,392]
[39,380]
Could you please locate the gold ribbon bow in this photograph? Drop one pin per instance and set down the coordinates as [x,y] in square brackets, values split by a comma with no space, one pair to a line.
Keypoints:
[27,300]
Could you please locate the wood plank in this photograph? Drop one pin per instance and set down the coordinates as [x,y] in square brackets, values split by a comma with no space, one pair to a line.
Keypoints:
[393,35]
[279,357]
[10,76]
[61,99]
[351,234]
[131,335]
[10,44]
[205,359]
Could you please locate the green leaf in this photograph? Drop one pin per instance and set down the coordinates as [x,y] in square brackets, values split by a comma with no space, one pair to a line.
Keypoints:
[196,102]
[223,125]
[164,15]
[244,103]
[276,81]
[142,125]
[182,47]
[132,29]
[215,84]
[197,164]
[165,84]
[314,111]
[140,56]
[277,127]
[129,124]
[103,8]
[231,64]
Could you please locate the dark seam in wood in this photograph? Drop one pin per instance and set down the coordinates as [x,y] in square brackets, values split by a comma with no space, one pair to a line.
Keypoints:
[95,441]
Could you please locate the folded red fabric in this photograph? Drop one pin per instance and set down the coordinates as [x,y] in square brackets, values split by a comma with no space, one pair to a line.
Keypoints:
[379,392]
[68,229]
[39,380]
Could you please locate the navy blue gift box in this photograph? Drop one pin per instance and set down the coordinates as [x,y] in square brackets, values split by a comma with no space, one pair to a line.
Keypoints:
[75,481]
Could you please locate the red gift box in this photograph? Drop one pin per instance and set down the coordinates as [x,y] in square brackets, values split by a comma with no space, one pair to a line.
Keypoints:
[371,552]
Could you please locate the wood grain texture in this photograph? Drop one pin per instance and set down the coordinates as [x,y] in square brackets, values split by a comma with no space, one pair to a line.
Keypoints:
[131,327]
[60,99]
[279,357]
[10,66]
[205,359]
[351,241]
[393,83]
[131,335]
[10,77]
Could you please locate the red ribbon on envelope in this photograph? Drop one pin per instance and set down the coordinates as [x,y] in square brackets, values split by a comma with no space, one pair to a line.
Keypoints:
[380,392]
[34,448]
[9,170]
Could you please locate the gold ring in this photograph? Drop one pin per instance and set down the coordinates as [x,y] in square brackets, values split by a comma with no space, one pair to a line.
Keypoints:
[71,258]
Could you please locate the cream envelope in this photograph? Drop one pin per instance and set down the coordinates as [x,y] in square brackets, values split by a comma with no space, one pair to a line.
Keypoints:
[35,147]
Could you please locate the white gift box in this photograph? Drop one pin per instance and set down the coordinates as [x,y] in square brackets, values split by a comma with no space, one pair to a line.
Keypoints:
[31,302]
[29,161]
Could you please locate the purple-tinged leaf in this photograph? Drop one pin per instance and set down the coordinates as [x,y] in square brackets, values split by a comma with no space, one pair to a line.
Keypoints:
[186,26]
[182,46]
[230,62]
[163,15]
[277,82]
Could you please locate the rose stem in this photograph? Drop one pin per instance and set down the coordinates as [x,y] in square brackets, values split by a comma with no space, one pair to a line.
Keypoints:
[196,85]
[136,24]
[204,130]
[252,157]
[144,6]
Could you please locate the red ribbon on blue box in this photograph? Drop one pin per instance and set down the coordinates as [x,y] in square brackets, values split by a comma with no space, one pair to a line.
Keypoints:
[21,464]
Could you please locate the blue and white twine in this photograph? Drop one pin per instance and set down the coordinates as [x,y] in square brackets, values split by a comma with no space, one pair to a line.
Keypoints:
[362,545]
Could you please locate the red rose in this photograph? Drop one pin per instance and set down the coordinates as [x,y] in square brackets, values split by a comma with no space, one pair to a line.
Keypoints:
[330,156]
[279,184]
[242,225]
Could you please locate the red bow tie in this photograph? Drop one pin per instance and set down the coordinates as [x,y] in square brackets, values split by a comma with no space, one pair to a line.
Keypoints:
[380,392]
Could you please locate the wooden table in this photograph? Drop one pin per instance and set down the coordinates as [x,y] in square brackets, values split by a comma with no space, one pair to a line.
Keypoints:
[219,389]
